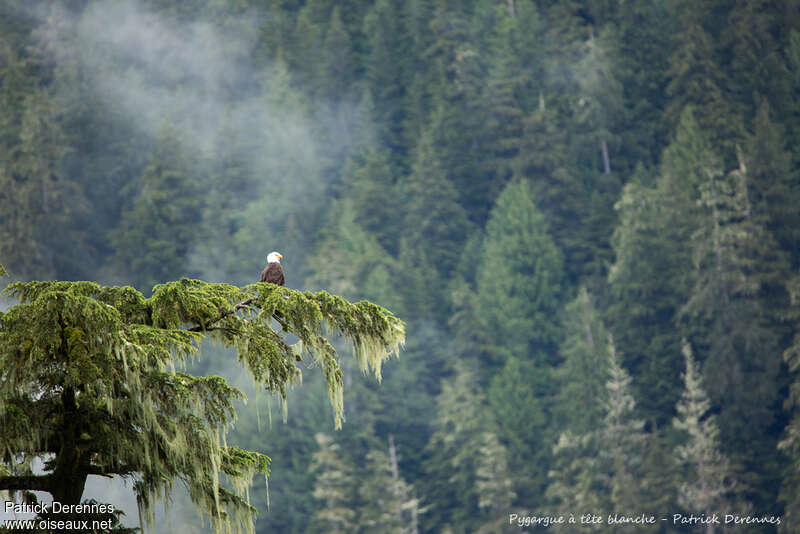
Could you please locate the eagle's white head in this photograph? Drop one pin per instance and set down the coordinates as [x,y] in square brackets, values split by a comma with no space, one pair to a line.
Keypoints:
[274,257]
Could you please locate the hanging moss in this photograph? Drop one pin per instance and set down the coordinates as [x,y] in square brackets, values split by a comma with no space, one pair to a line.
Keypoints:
[87,378]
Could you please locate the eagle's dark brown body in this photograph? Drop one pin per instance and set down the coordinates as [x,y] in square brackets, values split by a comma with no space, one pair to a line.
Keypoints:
[272,273]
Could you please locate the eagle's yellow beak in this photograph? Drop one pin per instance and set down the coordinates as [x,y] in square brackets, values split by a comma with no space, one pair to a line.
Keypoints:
[280,256]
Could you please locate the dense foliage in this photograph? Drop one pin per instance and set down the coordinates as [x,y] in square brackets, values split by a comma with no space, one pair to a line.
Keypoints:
[88,383]
[586,210]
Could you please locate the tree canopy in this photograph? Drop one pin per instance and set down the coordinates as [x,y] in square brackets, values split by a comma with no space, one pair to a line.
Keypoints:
[89,385]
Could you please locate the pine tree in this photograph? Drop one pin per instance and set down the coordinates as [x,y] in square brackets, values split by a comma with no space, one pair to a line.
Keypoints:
[374,186]
[453,80]
[696,80]
[452,465]
[494,485]
[737,267]
[557,191]
[87,380]
[790,444]
[159,227]
[389,506]
[437,226]
[578,481]
[519,280]
[603,470]
[756,65]
[645,33]
[509,78]
[388,70]
[338,61]
[584,369]
[524,385]
[345,241]
[334,487]
[38,236]
[649,280]
[709,482]
[622,440]
[772,181]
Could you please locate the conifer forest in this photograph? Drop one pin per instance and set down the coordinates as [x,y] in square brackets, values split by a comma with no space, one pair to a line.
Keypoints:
[541,257]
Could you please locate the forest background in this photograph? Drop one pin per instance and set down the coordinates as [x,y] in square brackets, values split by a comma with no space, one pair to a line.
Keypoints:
[582,210]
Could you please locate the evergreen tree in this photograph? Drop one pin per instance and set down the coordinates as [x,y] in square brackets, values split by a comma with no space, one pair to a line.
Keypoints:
[344,241]
[309,36]
[494,485]
[88,382]
[334,487]
[789,108]
[557,190]
[623,440]
[584,369]
[162,223]
[509,79]
[38,236]
[525,386]
[772,182]
[790,444]
[389,506]
[696,80]
[649,280]
[374,187]
[454,79]
[387,74]
[519,280]
[437,227]
[452,467]
[604,469]
[645,33]
[755,65]
[709,481]
[338,64]
[578,481]
[738,266]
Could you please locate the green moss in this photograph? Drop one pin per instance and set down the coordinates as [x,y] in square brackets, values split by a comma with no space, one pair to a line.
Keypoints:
[132,412]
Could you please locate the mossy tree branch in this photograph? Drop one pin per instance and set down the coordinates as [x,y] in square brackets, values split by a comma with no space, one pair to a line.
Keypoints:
[87,382]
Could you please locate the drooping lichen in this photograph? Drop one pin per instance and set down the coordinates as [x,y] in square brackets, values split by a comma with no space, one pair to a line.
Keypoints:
[88,381]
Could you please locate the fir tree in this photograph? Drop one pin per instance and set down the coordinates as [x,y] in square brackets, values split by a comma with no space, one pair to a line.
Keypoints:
[87,381]
[525,386]
[709,481]
[578,480]
[334,487]
[494,485]
[437,227]
[772,181]
[159,227]
[557,191]
[452,467]
[38,235]
[389,504]
[790,444]
[623,440]
[649,280]
[583,373]
[696,80]
[519,279]
[387,73]
[738,265]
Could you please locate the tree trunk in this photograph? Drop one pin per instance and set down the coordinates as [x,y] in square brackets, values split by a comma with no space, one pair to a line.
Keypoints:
[606,160]
[69,475]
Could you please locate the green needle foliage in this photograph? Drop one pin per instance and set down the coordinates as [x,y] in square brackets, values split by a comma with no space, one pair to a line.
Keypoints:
[88,383]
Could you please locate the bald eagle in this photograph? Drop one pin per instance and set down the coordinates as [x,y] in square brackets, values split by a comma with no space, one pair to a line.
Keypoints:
[273,272]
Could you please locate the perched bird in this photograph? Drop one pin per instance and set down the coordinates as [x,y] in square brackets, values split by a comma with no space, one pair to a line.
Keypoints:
[273,272]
